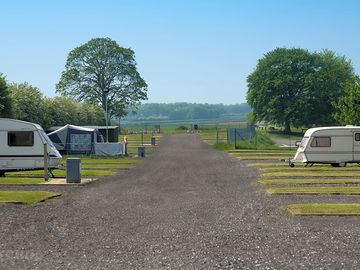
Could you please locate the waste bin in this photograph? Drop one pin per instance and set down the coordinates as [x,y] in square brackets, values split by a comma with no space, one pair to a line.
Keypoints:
[73,170]
[141,151]
[153,141]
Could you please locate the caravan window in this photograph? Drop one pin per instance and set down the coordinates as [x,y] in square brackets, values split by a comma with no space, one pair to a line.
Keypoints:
[321,142]
[357,137]
[20,138]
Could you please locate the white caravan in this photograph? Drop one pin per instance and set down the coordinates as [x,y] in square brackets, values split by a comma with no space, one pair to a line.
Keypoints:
[22,147]
[329,145]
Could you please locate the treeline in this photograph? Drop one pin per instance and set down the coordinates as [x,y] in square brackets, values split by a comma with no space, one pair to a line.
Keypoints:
[25,102]
[186,111]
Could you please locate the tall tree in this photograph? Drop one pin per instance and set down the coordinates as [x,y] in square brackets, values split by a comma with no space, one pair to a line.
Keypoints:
[297,87]
[27,102]
[348,106]
[5,100]
[103,73]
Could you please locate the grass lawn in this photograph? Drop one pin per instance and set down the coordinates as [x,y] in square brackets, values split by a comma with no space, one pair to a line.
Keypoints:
[269,164]
[110,161]
[261,157]
[25,197]
[310,169]
[106,166]
[339,190]
[265,151]
[305,181]
[297,174]
[323,209]
[61,173]
[20,181]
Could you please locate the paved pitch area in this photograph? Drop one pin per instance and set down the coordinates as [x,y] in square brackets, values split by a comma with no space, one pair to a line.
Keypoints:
[186,207]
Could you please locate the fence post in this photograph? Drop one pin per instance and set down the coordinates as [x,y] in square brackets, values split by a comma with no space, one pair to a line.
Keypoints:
[142,138]
[217,136]
[46,175]
[235,137]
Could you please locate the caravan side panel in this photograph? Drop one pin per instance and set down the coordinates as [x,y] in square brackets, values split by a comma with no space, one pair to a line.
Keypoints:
[330,146]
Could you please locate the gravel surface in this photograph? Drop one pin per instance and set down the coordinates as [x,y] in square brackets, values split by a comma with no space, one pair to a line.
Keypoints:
[185,207]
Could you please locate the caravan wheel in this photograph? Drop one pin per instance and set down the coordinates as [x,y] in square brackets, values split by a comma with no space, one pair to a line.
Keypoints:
[340,164]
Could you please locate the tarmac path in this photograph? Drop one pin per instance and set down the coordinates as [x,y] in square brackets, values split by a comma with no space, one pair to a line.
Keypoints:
[185,207]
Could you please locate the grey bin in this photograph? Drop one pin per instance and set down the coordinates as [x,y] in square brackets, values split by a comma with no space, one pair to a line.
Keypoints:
[141,151]
[153,141]
[73,170]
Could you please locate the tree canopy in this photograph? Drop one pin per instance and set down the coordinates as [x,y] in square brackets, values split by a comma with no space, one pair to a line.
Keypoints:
[297,87]
[348,106]
[28,103]
[5,100]
[101,70]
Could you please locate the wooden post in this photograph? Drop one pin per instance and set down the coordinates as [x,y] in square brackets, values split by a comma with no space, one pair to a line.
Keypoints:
[46,175]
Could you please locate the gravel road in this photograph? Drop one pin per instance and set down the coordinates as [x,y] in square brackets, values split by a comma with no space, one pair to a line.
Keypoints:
[185,207]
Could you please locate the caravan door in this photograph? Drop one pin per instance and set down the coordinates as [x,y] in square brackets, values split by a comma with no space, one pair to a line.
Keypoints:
[356,146]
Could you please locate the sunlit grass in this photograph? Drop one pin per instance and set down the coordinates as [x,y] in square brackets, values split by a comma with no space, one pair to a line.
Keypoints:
[25,197]
[310,169]
[337,190]
[305,181]
[323,209]
[297,174]
[61,173]
[20,181]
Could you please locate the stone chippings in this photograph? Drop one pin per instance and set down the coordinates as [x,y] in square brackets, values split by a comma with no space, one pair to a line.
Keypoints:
[185,207]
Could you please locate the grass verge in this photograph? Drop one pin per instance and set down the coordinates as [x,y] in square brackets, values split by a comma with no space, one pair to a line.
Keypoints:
[339,190]
[110,161]
[20,181]
[323,209]
[310,169]
[61,173]
[25,197]
[261,157]
[106,166]
[297,174]
[309,181]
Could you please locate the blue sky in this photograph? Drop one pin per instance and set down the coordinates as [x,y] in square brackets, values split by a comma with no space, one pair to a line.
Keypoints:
[186,50]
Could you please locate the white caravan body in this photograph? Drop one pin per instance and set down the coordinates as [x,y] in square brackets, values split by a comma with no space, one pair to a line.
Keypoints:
[331,145]
[22,146]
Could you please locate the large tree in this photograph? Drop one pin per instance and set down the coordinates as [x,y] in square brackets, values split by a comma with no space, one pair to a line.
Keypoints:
[27,102]
[103,73]
[297,87]
[348,106]
[5,100]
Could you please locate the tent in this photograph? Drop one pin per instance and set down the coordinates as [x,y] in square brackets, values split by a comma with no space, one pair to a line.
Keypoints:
[71,139]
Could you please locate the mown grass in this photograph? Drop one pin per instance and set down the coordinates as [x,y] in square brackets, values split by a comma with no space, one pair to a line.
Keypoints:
[297,174]
[306,181]
[310,169]
[338,190]
[110,161]
[263,151]
[25,197]
[21,181]
[261,157]
[269,164]
[323,209]
[106,166]
[61,173]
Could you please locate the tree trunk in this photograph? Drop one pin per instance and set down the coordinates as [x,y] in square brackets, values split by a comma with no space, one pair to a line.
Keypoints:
[287,129]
